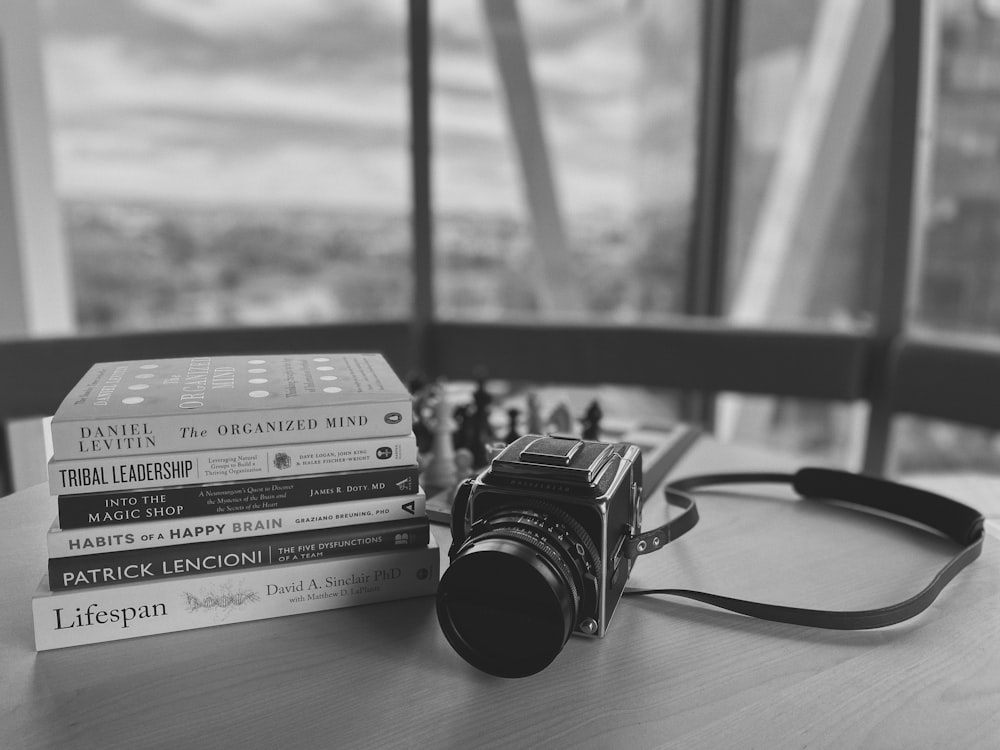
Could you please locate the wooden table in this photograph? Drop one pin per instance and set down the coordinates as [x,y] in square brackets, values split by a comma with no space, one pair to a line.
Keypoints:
[669,674]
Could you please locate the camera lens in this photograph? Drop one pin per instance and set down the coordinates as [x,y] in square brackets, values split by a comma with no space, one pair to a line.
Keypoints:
[514,592]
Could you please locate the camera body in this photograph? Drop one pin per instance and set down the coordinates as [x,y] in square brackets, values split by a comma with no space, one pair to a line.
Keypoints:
[564,508]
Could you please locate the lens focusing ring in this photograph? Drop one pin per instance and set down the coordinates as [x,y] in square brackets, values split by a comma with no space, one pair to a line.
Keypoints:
[547,552]
[563,533]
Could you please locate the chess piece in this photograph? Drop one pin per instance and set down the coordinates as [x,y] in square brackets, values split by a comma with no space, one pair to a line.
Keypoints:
[421,430]
[512,434]
[482,433]
[560,420]
[416,385]
[462,438]
[591,422]
[440,473]
[463,464]
[533,415]
[482,399]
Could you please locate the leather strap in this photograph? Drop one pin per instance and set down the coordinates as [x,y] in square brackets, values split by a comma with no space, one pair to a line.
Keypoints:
[958,522]
[650,541]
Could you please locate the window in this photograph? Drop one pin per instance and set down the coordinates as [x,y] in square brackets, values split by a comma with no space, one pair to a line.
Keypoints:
[960,284]
[808,198]
[564,158]
[810,162]
[958,290]
[564,154]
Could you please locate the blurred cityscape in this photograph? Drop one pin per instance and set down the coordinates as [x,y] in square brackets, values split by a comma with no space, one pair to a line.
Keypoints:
[961,279]
[159,266]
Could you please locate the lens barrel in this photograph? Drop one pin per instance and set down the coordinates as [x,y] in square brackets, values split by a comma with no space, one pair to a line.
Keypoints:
[515,590]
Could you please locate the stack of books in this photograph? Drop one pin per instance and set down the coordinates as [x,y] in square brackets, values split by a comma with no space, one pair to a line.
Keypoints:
[203,491]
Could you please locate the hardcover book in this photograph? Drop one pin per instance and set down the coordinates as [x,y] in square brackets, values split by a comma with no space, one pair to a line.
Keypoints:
[109,613]
[111,474]
[165,405]
[189,501]
[185,559]
[92,540]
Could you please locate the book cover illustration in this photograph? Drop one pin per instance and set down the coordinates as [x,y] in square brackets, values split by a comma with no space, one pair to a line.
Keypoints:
[166,405]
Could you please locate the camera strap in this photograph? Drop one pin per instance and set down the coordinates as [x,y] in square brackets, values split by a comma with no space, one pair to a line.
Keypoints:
[952,519]
[650,541]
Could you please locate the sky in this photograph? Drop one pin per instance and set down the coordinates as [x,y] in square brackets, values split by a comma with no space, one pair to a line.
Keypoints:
[305,102]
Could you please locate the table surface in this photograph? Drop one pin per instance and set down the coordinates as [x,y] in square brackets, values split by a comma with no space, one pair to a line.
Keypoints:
[670,673]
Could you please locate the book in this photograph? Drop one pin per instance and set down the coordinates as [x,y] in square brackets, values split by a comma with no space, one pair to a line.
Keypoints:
[191,501]
[80,616]
[145,564]
[97,539]
[157,406]
[111,474]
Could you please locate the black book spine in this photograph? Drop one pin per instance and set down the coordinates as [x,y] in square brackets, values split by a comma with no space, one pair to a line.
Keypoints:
[232,554]
[105,508]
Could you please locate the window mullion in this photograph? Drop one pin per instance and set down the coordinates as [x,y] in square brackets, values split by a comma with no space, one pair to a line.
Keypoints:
[707,250]
[912,57]
[419,30]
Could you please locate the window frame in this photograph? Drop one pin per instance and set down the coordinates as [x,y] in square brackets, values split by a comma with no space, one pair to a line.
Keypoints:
[889,367]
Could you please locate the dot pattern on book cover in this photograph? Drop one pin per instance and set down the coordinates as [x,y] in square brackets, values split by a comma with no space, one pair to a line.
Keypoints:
[113,390]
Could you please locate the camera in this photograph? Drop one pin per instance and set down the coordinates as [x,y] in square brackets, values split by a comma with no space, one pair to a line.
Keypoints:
[539,550]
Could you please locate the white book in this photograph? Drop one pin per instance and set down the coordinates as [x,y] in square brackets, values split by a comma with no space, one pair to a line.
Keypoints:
[92,540]
[157,406]
[87,475]
[111,613]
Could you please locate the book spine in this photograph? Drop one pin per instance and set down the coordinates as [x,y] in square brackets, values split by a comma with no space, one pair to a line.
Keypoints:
[110,613]
[114,568]
[174,469]
[121,538]
[189,501]
[214,431]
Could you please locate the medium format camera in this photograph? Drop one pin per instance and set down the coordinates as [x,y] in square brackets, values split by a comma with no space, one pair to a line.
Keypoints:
[539,550]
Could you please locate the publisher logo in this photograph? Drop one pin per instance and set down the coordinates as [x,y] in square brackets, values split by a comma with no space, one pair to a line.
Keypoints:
[393,417]
[383,452]
[282,461]
[423,574]
[409,508]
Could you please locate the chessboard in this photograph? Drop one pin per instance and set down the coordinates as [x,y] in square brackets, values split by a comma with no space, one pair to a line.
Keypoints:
[662,446]
[459,430]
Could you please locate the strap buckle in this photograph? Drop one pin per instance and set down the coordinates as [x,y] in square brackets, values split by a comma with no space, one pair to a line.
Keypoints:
[650,541]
